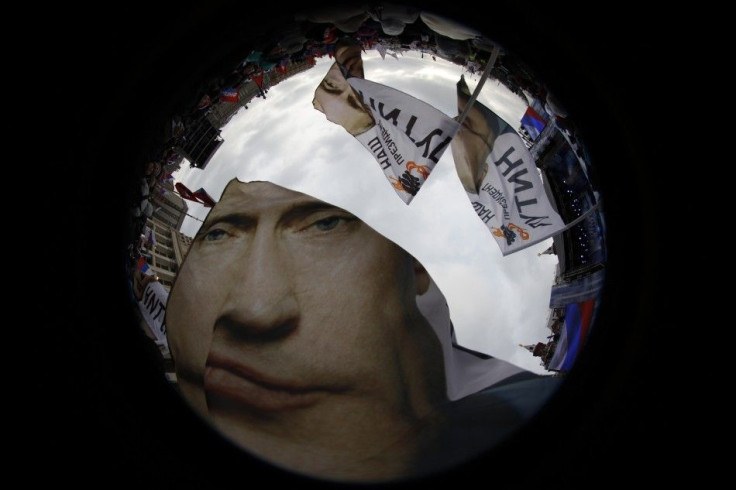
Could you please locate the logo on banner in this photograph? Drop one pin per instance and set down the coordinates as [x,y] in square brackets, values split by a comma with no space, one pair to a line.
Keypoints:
[421,169]
[509,233]
[407,182]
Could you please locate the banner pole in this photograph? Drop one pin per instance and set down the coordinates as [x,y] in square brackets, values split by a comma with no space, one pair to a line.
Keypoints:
[476,92]
[566,227]
[177,193]
[194,217]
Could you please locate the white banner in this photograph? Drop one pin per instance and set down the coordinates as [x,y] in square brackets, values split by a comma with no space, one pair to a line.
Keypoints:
[501,179]
[409,137]
[153,308]
[511,200]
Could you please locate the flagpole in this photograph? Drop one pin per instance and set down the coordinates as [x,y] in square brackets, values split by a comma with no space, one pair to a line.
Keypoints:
[476,92]
[175,192]
[201,221]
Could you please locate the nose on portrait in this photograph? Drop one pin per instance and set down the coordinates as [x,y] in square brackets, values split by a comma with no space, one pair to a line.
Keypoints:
[261,301]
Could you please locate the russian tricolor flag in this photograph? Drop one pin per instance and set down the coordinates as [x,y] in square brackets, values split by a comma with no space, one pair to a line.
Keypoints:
[185,193]
[204,198]
[533,123]
[578,319]
[229,95]
[142,265]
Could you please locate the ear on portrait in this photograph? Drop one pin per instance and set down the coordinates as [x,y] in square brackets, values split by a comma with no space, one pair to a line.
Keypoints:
[421,278]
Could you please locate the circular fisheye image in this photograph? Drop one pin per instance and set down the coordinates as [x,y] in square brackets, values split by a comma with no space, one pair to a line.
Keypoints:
[369,248]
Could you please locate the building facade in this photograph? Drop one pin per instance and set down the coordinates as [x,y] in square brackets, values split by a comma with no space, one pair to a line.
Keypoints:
[168,251]
[169,247]
[163,253]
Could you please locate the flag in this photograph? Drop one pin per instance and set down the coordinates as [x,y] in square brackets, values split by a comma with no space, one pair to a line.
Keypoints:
[330,35]
[533,122]
[258,79]
[150,237]
[578,319]
[409,136]
[185,193]
[538,106]
[501,179]
[405,135]
[229,95]
[204,198]
[143,265]
[381,50]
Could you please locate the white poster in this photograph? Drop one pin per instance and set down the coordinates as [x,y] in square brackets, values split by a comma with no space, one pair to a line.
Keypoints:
[153,308]
[409,136]
[511,200]
[501,178]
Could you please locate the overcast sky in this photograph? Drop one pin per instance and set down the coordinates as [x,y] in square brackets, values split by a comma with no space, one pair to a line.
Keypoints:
[496,302]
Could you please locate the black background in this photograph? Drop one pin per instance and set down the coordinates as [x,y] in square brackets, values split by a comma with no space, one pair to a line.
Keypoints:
[106,414]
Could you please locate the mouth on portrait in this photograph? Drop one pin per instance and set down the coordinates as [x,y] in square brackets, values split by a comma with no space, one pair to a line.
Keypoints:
[232,385]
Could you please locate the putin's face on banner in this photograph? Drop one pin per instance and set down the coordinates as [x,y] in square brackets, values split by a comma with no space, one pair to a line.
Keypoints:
[295,331]
[340,103]
[334,96]
[472,145]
